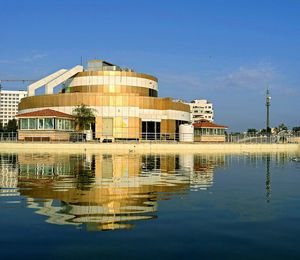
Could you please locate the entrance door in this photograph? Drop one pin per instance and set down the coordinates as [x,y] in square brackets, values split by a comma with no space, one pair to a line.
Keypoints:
[108,126]
[150,130]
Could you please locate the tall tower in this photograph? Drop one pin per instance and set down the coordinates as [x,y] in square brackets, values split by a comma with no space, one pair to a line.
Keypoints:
[268,103]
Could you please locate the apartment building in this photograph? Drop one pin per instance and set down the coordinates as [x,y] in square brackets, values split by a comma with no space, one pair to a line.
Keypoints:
[201,109]
[9,100]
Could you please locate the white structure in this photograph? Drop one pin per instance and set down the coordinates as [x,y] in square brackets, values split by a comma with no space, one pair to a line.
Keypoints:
[186,133]
[9,104]
[201,109]
[53,80]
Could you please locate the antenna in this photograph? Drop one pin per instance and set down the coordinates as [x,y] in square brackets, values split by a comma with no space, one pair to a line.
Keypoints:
[268,104]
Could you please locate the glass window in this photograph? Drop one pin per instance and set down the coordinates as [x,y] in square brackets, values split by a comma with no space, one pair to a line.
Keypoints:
[59,124]
[32,123]
[68,125]
[24,123]
[41,123]
[49,124]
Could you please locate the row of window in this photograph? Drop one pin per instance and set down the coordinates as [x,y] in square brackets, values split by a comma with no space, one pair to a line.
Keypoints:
[201,116]
[9,98]
[12,95]
[46,124]
[208,107]
[209,131]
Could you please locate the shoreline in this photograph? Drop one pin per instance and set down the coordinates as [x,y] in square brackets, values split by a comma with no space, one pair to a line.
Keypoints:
[146,147]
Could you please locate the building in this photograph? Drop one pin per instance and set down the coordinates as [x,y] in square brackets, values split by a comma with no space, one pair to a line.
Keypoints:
[47,125]
[126,102]
[201,109]
[9,102]
[205,131]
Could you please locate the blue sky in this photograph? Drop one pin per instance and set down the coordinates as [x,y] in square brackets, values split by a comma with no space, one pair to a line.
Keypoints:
[223,50]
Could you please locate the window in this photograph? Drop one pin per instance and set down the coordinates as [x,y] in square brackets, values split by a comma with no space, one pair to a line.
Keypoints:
[49,124]
[32,123]
[68,125]
[24,123]
[60,125]
[41,123]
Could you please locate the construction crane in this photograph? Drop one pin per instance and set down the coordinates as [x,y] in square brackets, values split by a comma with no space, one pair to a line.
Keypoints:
[15,80]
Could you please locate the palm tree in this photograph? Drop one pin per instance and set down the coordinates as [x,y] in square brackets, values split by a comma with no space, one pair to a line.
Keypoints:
[84,116]
[282,127]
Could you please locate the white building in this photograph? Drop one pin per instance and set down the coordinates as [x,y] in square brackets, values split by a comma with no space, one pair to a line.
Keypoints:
[9,104]
[201,109]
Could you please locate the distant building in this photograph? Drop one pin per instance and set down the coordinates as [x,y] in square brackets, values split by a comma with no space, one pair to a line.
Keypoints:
[201,109]
[9,104]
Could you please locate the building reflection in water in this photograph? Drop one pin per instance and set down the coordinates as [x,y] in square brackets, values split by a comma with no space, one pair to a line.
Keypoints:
[104,191]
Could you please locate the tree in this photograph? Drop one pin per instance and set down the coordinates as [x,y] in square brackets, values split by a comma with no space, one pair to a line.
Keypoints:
[251,131]
[296,129]
[282,127]
[84,116]
[11,126]
[263,132]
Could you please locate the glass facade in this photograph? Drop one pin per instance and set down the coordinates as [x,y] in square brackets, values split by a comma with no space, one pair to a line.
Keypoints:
[150,130]
[209,131]
[47,124]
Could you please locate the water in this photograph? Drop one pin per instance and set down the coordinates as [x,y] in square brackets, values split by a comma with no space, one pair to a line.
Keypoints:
[212,206]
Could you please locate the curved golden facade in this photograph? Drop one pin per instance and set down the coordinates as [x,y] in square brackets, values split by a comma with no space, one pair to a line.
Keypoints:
[125,102]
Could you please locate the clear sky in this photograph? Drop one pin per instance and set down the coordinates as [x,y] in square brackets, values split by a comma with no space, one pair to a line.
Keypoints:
[225,51]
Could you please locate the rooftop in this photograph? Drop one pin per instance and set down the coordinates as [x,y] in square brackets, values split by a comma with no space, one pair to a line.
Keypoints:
[207,124]
[46,113]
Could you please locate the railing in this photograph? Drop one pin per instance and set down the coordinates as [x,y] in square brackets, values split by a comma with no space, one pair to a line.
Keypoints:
[153,137]
[8,136]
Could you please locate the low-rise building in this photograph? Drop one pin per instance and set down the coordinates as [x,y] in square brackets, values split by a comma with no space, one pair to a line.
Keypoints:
[45,125]
[205,131]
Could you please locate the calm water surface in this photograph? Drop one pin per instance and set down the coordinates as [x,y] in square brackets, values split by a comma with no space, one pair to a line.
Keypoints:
[196,206]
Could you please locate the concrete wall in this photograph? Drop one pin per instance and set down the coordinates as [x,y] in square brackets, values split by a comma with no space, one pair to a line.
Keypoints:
[209,138]
[53,135]
[146,147]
